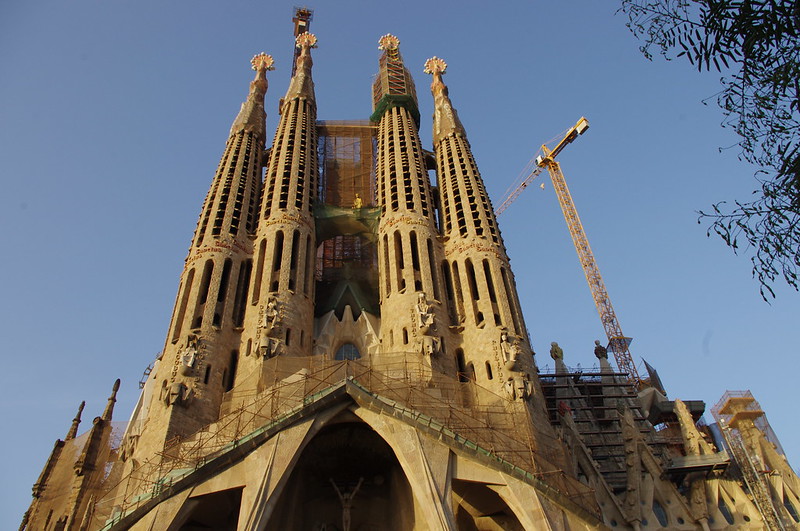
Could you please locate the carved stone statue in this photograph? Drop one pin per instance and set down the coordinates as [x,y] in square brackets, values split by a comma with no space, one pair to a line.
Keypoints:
[189,355]
[346,500]
[270,316]
[519,386]
[600,351]
[431,346]
[266,345]
[357,202]
[179,394]
[555,351]
[425,317]
[510,349]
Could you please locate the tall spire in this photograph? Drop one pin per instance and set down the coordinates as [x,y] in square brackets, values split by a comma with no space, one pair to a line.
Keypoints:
[301,84]
[413,320]
[483,299]
[73,430]
[445,118]
[279,318]
[252,116]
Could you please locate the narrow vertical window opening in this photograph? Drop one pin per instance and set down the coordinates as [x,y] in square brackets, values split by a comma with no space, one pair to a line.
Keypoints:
[231,372]
[184,302]
[262,251]
[462,369]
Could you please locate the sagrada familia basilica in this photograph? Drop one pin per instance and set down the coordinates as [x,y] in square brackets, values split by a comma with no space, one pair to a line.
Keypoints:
[347,351]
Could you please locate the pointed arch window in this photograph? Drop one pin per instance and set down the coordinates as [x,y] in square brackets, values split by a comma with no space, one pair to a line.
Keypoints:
[348,351]
[726,512]
[790,508]
[661,514]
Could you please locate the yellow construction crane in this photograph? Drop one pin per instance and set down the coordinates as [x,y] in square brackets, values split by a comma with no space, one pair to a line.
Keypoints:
[617,342]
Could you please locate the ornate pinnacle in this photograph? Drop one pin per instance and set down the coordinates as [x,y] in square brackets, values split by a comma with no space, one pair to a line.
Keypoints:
[435,65]
[73,430]
[388,43]
[111,400]
[306,39]
[262,61]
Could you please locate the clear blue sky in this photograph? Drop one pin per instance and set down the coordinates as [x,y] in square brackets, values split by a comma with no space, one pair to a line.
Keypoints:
[113,116]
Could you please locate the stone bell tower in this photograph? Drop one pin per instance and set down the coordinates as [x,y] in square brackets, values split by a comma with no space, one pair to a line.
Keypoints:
[201,354]
[409,246]
[280,309]
[493,348]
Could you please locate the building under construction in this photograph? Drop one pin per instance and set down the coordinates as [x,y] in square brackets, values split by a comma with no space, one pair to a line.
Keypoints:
[347,351]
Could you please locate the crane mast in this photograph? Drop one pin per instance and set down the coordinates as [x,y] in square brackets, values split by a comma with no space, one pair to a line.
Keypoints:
[617,342]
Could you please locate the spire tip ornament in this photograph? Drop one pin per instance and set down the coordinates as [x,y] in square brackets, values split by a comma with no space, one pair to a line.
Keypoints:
[435,65]
[306,39]
[388,43]
[262,61]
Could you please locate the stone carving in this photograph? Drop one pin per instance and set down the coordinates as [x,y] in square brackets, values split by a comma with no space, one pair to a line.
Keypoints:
[425,317]
[519,386]
[266,344]
[600,351]
[269,316]
[358,203]
[189,355]
[511,350]
[346,500]
[268,348]
[431,346]
[555,351]
[127,447]
[178,394]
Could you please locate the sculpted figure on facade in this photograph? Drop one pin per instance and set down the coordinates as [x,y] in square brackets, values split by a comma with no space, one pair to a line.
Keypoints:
[600,351]
[269,319]
[266,345]
[178,394]
[346,499]
[556,352]
[425,317]
[518,386]
[511,350]
[189,355]
[431,347]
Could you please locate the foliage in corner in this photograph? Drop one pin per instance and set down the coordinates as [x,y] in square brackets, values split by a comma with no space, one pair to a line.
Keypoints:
[754,43]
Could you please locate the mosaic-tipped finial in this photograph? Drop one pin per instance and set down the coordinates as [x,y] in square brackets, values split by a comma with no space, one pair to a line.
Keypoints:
[262,61]
[435,65]
[388,43]
[308,40]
